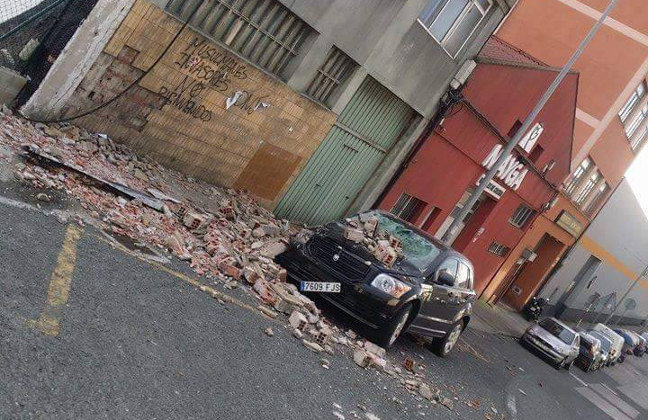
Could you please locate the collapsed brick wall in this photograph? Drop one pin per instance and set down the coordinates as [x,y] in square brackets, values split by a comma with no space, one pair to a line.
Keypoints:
[202,110]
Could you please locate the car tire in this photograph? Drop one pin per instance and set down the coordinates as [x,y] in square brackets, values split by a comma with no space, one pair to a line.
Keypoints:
[443,346]
[389,333]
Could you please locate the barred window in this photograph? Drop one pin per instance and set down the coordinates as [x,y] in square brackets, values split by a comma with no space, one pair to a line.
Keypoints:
[587,188]
[498,249]
[408,208]
[263,31]
[521,216]
[576,178]
[630,104]
[336,69]
[639,139]
[638,119]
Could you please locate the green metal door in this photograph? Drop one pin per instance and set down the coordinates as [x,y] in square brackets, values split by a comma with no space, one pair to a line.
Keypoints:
[366,129]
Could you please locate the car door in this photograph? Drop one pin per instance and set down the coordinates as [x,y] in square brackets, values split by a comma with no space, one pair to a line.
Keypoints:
[435,315]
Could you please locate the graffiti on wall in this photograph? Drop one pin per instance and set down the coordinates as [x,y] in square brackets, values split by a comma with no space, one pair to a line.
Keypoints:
[210,67]
[185,97]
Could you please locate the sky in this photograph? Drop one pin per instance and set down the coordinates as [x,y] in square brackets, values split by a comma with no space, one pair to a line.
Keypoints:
[637,176]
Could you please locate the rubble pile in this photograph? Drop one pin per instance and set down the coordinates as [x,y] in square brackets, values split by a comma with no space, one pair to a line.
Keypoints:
[224,234]
[365,230]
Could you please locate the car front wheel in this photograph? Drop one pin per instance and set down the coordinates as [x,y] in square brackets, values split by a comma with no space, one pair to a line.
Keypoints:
[388,334]
[443,346]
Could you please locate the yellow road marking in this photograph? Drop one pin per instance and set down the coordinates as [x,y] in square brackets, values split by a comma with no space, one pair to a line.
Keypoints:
[59,287]
[195,283]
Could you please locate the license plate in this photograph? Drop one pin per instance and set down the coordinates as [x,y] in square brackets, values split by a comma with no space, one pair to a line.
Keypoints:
[318,286]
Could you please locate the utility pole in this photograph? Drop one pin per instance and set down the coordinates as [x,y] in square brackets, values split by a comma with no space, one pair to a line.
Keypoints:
[632,286]
[449,234]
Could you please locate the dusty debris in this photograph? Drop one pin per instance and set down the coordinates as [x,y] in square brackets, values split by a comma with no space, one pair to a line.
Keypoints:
[228,239]
[43,197]
[409,364]
[312,346]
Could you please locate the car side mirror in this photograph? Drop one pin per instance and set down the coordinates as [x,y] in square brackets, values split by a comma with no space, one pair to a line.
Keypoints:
[445,278]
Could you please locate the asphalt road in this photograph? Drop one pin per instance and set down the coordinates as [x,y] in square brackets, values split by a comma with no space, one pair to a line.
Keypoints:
[88,330]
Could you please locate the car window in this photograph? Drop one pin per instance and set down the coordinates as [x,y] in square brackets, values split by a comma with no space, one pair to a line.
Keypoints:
[463,277]
[565,335]
[449,265]
[605,342]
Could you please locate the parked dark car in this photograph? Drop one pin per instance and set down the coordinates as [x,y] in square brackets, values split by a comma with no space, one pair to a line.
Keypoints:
[427,291]
[589,356]
[553,340]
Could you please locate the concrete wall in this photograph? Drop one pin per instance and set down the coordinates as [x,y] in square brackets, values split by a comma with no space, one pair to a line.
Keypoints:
[263,150]
[619,238]
[10,85]
[178,116]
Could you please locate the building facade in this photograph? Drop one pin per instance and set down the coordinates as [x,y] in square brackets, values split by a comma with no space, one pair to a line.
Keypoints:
[604,265]
[445,170]
[282,98]
[611,116]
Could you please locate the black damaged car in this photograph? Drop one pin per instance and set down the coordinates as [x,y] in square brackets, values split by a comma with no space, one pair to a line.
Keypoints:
[427,291]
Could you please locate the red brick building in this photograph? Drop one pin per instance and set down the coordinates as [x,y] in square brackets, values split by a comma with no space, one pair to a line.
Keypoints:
[437,181]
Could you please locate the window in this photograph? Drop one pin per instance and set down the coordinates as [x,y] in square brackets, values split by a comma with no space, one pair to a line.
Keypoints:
[536,153]
[639,139]
[452,22]
[597,198]
[464,278]
[263,31]
[521,216]
[515,128]
[498,249]
[431,218]
[638,119]
[579,173]
[587,188]
[632,101]
[408,208]
[335,70]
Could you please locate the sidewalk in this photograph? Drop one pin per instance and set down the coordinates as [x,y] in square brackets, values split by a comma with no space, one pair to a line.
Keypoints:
[497,320]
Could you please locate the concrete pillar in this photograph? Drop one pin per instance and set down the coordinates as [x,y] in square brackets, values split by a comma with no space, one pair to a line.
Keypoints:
[10,85]
[77,57]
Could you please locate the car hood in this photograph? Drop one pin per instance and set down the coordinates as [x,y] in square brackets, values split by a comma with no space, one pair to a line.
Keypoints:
[550,339]
[401,267]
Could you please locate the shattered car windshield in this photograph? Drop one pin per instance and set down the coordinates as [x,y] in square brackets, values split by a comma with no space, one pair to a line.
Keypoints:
[417,249]
[558,330]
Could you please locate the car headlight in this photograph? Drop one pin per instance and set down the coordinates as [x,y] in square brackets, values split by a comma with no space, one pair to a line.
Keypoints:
[390,285]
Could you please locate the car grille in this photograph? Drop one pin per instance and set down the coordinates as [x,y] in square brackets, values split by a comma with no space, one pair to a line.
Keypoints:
[325,249]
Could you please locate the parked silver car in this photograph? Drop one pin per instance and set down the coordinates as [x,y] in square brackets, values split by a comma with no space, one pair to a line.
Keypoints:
[554,340]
